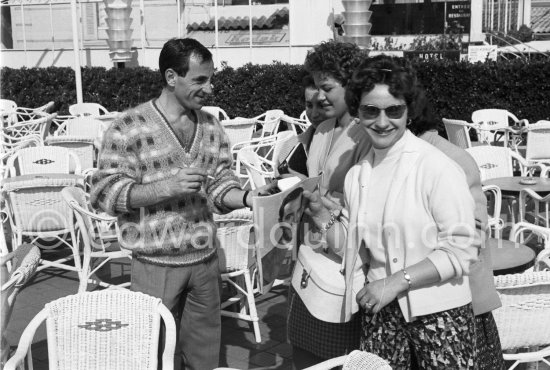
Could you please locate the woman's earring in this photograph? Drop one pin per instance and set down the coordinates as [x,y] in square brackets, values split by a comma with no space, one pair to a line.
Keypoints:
[409,121]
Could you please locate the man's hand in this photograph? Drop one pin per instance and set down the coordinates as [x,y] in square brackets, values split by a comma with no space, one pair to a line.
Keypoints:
[185,181]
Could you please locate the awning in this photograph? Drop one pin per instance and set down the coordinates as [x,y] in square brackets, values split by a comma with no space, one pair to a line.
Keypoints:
[540,19]
[275,20]
[540,46]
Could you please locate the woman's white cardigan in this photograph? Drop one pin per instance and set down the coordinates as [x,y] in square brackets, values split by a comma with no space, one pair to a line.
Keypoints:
[429,213]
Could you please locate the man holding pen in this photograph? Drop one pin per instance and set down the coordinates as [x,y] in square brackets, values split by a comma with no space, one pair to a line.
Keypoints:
[164,167]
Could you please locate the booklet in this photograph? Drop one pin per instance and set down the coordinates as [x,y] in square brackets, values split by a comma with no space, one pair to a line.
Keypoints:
[276,220]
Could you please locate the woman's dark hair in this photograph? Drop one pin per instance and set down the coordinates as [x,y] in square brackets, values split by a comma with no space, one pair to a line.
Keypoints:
[334,58]
[308,82]
[176,53]
[403,83]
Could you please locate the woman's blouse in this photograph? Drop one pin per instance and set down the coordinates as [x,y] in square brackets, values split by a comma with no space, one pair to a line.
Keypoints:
[334,157]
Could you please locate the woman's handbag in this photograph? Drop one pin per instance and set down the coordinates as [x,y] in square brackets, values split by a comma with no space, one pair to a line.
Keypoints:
[318,279]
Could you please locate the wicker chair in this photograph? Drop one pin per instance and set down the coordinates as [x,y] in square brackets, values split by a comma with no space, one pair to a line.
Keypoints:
[217,112]
[355,360]
[298,125]
[522,232]
[87,109]
[7,110]
[272,149]
[236,259]
[499,162]
[540,214]
[43,159]
[496,123]
[27,125]
[523,319]
[24,261]
[495,222]
[37,210]
[239,131]
[269,122]
[538,143]
[98,235]
[82,147]
[304,117]
[108,329]
[458,132]
[258,169]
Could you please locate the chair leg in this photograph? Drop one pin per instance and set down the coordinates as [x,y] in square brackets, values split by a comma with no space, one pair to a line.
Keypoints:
[84,272]
[252,306]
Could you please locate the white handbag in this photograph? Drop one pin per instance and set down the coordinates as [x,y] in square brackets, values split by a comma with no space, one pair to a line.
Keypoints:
[319,281]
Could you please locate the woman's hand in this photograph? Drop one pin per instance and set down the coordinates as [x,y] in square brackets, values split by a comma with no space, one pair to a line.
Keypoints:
[331,205]
[316,209]
[378,294]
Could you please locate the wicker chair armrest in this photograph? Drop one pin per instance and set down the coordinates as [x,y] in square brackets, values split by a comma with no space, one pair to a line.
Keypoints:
[92,215]
[25,341]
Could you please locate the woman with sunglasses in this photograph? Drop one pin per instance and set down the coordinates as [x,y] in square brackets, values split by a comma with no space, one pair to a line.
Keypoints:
[409,217]
[337,145]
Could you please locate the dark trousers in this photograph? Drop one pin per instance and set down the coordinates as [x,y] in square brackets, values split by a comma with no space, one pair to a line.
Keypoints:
[192,294]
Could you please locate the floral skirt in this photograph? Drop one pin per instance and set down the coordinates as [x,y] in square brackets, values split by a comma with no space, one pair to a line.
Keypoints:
[443,340]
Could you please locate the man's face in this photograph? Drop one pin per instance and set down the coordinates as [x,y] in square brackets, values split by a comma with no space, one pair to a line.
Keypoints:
[314,110]
[192,89]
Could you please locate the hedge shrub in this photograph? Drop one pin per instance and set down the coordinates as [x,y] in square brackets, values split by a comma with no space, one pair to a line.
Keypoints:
[455,88]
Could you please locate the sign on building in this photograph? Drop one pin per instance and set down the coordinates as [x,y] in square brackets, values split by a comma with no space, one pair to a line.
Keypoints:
[432,54]
[482,53]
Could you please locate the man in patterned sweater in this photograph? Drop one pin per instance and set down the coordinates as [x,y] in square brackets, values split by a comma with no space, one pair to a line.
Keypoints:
[164,168]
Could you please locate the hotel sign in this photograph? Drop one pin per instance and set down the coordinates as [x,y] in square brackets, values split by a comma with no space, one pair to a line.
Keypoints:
[432,54]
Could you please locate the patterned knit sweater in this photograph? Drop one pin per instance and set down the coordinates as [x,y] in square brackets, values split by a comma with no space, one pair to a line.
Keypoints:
[140,147]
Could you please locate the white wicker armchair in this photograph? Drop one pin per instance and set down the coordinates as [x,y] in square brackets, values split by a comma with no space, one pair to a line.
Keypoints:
[524,319]
[108,329]
[237,262]
[458,132]
[42,160]
[88,109]
[538,139]
[24,261]
[98,236]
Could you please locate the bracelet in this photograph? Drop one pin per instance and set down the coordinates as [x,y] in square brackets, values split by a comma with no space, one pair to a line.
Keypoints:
[244,197]
[329,224]
[407,277]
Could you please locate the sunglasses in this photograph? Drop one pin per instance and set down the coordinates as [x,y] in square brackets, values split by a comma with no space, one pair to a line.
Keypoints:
[392,112]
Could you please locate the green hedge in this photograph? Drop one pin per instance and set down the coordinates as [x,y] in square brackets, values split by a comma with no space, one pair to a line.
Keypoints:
[455,88]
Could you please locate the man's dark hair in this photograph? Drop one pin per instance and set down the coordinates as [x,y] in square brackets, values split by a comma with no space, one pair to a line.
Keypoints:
[294,194]
[176,54]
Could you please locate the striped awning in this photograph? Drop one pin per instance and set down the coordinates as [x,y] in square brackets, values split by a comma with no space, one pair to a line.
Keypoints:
[274,21]
[540,19]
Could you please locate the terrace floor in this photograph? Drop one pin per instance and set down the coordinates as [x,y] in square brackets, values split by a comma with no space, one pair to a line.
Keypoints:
[239,349]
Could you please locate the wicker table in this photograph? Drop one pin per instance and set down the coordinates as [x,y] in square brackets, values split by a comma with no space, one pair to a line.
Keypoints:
[509,257]
[512,186]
